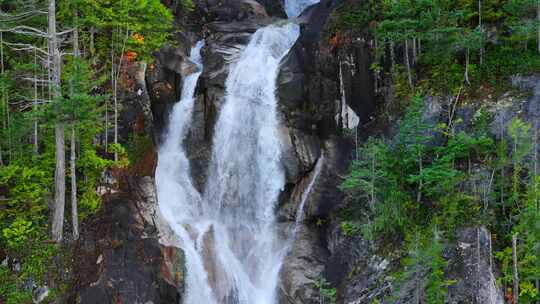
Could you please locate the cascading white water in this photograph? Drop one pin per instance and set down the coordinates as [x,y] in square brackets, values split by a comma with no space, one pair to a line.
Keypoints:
[294,8]
[178,199]
[300,214]
[246,175]
[233,251]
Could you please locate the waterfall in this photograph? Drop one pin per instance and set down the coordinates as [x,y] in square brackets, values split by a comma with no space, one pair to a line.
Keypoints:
[178,199]
[294,8]
[229,235]
[300,214]
[246,175]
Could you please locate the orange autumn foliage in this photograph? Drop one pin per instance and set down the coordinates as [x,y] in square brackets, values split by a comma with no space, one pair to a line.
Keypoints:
[131,55]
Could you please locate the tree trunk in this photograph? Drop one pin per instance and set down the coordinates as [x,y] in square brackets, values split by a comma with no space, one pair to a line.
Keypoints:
[54,52]
[35,137]
[92,46]
[535,168]
[113,84]
[5,98]
[414,51]
[73,166]
[60,172]
[76,51]
[3,90]
[74,214]
[60,186]
[467,67]
[392,57]
[372,192]
[408,64]
[116,75]
[515,274]
[375,72]
[420,183]
[106,126]
[49,78]
[501,126]
[115,95]
[481,30]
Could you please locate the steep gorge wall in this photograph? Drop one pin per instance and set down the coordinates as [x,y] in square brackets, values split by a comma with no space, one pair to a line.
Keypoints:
[313,79]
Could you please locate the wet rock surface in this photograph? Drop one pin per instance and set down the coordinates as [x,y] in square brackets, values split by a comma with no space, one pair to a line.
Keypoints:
[164,83]
[303,268]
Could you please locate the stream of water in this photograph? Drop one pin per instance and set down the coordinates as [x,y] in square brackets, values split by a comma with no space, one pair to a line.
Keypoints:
[229,232]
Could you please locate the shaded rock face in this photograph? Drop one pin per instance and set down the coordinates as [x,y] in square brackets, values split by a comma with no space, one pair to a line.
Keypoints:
[308,261]
[136,115]
[274,8]
[469,266]
[469,257]
[164,83]
[302,268]
[120,258]
[309,88]
[355,62]
[231,10]
[308,82]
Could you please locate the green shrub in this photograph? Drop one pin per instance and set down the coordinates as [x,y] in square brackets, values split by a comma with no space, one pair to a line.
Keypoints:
[17,233]
[349,228]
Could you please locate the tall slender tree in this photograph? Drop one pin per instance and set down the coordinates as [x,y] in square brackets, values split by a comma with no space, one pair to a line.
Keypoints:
[60,158]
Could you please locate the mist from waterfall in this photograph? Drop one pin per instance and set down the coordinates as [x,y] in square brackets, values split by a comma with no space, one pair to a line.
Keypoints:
[229,233]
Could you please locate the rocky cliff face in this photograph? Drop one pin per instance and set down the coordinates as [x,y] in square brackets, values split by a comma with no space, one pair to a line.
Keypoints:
[123,258]
[324,88]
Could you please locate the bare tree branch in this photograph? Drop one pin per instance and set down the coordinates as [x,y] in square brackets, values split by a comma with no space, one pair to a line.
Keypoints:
[26,30]
[5,17]
[25,46]
[36,80]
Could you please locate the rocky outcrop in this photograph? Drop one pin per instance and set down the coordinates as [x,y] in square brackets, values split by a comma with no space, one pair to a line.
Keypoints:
[164,82]
[135,116]
[274,8]
[120,258]
[310,98]
[231,10]
[470,269]
[303,268]
[470,266]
